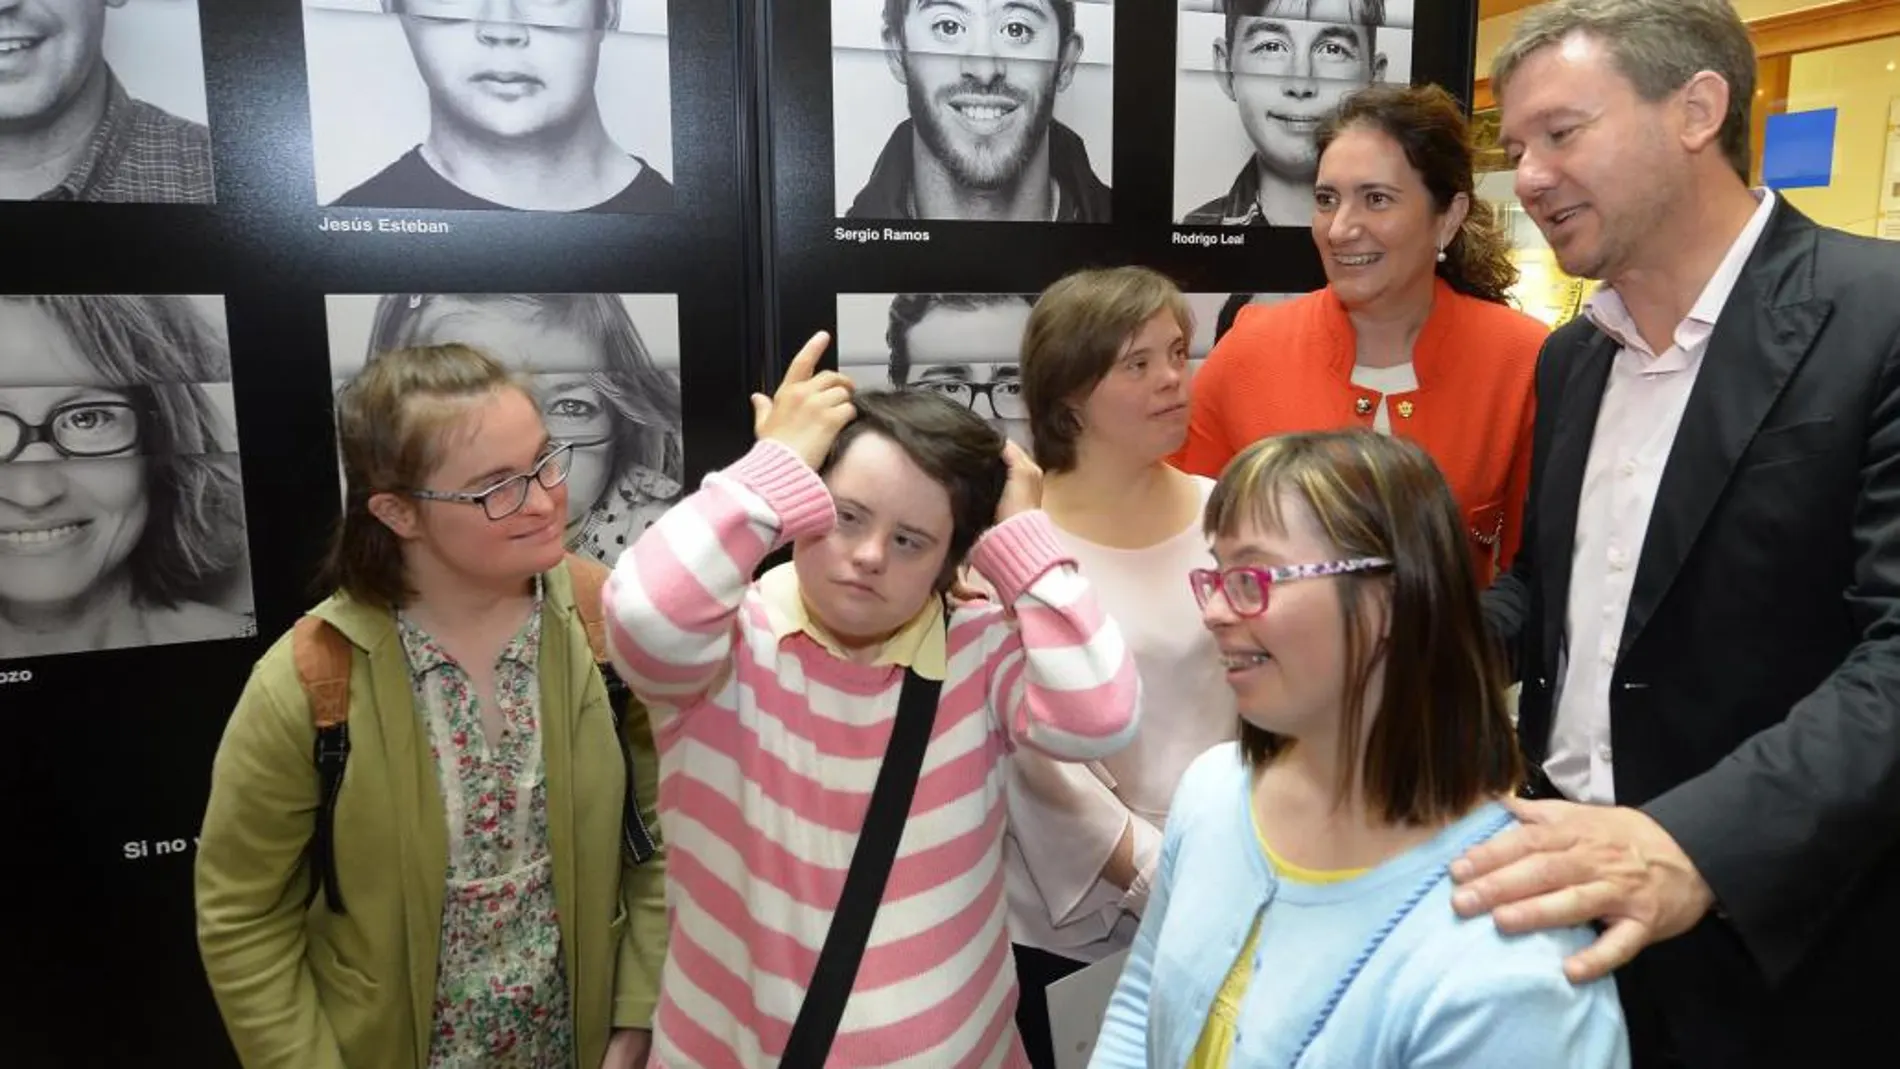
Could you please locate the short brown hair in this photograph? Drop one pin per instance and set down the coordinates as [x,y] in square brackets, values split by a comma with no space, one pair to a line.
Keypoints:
[953,445]
[1442,739]
[390,420]
[1657,44]
[1429,126]
[1076,332]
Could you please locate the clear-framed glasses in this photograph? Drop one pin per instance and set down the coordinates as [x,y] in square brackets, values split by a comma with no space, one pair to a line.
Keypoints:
[76,429]
[506,497]
[1246,589]
[1005,396]
[560,14]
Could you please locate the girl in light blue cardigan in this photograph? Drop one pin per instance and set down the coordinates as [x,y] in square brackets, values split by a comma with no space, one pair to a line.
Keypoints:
[1301,916]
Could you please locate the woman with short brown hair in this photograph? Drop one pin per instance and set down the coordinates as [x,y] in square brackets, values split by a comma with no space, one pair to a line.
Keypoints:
[1105,380]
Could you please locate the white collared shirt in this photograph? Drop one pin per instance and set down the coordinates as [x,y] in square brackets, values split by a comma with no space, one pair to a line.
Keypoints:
[1643,403]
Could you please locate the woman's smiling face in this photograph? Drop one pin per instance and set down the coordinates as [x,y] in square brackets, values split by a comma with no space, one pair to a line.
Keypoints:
[67,524]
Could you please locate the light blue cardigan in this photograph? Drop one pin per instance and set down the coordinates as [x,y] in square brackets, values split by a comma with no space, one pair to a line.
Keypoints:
[1376,972]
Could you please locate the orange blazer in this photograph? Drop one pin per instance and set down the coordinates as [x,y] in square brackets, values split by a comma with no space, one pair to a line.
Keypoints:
[1287,367]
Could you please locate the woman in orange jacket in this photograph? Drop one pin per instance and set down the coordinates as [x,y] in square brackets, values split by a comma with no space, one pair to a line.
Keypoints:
[1411,336]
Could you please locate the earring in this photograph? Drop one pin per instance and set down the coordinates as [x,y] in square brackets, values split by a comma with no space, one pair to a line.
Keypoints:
[1441,256]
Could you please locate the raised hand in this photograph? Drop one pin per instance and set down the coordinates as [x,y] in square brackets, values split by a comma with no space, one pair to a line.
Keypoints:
[810,407]
[1023,491]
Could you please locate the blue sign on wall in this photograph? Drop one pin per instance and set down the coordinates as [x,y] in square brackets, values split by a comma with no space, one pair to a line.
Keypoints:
[1797,151]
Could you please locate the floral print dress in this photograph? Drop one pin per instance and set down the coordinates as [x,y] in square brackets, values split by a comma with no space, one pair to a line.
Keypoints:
[501,999]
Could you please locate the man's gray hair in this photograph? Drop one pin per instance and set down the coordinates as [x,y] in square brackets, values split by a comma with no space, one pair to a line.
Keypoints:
[1657,44]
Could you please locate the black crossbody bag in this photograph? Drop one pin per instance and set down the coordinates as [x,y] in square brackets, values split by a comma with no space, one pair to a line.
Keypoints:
[837,971]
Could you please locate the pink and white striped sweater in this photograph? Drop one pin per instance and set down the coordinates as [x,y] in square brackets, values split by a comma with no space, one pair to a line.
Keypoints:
[769,750]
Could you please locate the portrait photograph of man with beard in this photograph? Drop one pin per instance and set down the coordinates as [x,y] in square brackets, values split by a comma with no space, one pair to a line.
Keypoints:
[491,105]
[973,110]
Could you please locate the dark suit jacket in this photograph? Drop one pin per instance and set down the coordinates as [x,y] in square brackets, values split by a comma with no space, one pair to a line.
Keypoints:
[1755,703]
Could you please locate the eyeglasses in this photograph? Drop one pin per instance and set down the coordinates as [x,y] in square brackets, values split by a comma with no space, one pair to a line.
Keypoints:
[1246,589]
[77,429]
[506,497]
[1005,396]
[571,14]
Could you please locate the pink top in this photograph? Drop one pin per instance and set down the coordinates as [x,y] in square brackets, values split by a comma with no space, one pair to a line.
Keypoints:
[769,748]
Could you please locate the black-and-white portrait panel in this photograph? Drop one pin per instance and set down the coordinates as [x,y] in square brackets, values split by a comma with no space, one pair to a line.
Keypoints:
[121,499]
[963,346]
[1254,79]
[1214,315]
[497,105]
[604,366]
[991,110]
[125,80]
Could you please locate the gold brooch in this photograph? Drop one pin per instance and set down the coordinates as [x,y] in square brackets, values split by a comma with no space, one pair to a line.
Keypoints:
[1405,410]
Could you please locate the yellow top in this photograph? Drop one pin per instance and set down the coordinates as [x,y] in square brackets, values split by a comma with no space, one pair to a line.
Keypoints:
[921,644]
[1223,1018]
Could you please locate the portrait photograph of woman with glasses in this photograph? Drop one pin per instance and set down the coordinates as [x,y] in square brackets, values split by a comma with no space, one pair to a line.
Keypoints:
[121,503]
[604,368]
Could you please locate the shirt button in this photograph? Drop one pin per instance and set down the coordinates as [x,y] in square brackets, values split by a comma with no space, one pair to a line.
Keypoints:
[1628,468]
[1618,559]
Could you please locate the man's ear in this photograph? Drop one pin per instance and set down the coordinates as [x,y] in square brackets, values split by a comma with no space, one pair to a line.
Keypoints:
[396,513]
[894,56]
[1704,102]
[609,15]
[1379,64]
[1065,63]
[1223,67]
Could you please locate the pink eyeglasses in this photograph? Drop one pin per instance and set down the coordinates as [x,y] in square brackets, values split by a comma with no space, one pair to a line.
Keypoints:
[1246,589]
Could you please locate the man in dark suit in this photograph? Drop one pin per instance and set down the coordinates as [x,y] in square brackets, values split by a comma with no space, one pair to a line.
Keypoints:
[1705,613]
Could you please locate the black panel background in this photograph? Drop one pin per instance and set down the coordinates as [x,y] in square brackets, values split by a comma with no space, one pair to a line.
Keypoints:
[102,748]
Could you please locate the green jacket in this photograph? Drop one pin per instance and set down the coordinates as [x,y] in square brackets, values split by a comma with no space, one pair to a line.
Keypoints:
[304,988]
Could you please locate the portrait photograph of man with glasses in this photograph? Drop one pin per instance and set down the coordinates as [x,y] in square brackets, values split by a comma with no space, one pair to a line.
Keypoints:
[962,346]
[491,105]
[121,501]
[103,101]
[604,367]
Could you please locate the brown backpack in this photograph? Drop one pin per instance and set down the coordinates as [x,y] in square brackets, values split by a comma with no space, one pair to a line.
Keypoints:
[322,656]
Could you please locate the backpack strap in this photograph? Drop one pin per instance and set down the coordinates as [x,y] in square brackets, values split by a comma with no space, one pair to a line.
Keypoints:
[322,656]
[589,580]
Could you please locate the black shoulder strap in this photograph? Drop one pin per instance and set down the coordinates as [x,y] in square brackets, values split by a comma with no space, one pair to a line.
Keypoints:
[837,970]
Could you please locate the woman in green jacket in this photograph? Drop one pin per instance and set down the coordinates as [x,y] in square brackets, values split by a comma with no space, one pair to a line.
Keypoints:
[478,907]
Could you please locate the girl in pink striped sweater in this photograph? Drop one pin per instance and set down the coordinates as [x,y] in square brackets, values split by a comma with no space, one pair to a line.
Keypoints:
[772,701]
